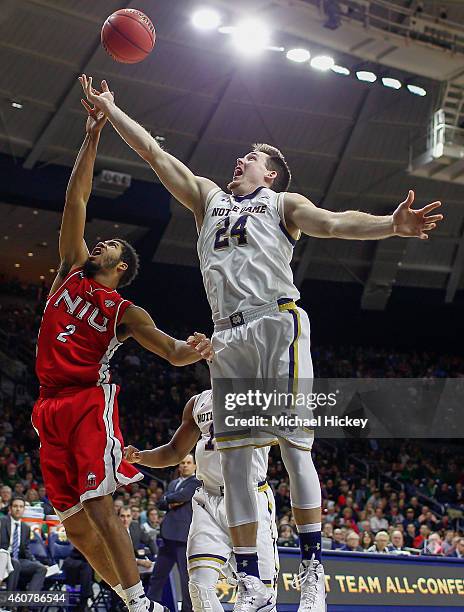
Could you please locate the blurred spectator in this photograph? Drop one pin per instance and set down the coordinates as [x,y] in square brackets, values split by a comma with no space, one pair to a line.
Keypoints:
[15,537]
[459,551]
[367,540]
[140,539]
[447,544]
[287,537]
[282,498]
[381,542]
[152,525]
[397,543]
[410,536]
[79,572]
[433,545]
[338,539]
[5,498]
[422,537]
[378,522]
[352,542]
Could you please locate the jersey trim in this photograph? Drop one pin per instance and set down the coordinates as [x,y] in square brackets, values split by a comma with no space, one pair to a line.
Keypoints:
[283,224]
[65,280]
[210,195]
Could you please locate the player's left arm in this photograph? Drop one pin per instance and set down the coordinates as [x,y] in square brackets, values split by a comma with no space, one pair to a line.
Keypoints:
[72,247]
[138,324]
[301,214]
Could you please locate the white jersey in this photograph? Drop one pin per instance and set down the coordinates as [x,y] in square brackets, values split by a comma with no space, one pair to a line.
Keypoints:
[207,457]
[245,251]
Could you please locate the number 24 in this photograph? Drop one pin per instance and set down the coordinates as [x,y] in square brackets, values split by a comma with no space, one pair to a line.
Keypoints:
[238,230]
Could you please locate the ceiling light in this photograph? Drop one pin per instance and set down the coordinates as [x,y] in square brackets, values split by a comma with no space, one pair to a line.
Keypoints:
[5,237]
[251,37]
[52,270]
[20,225]
[17,265]
[42,277]
[298,55]
[365,75]
[160,139]
[391,83]
[340,70]
[35,212]
[116,226]
[416,90]
[322,62]
[16,104]
[206,19]
[30,254]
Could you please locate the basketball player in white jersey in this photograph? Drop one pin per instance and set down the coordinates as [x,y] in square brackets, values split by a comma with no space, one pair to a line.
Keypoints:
[209,547]
[244,246]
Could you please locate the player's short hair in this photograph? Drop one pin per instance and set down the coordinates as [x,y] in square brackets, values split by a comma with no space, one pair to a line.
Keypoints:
[130,257]
[275,161]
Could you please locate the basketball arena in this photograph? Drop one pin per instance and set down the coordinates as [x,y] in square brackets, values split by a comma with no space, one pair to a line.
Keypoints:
[231,296]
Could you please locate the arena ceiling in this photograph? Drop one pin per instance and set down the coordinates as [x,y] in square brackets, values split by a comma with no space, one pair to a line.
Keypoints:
[347,142]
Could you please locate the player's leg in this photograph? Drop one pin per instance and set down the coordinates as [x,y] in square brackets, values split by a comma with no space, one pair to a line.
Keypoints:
[202,588]
[85,538]
[208,550]
[306,505]
[268,556]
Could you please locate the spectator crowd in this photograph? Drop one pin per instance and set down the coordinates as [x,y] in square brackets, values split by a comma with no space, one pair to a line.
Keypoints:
[388,496]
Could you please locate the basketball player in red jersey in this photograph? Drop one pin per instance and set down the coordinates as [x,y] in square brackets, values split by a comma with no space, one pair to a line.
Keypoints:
[76,416]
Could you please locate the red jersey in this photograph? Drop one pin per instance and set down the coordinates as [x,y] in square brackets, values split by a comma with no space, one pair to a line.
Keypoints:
[77,335]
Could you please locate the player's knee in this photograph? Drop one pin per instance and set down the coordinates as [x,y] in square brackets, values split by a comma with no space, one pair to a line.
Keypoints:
[202,596]
[97,511]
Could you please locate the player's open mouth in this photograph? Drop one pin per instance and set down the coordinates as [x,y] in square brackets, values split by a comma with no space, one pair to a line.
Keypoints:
[238,172]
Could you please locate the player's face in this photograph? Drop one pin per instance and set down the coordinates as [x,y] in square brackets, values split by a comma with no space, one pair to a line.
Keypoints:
[249,172]
[106,254]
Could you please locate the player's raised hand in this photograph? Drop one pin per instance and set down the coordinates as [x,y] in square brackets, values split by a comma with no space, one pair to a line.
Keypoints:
[96,119]
[202,344]
[101,100]
[131,454]
[410,223]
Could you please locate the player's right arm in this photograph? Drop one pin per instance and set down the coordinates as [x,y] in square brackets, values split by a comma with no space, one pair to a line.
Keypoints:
[174,451]
[179,180]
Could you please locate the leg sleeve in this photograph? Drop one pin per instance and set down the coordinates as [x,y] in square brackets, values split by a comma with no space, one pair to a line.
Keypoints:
[240,489]
[202,587]
[304,481]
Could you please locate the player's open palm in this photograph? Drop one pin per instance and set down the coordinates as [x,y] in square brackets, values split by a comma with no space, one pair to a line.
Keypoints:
[410,223]
[131,454]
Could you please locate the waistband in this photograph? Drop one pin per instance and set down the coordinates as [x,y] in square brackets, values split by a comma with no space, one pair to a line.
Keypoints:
[261,486]
[47,392]
[243,317]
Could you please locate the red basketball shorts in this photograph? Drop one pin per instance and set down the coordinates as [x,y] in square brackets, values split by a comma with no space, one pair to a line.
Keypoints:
[81,446]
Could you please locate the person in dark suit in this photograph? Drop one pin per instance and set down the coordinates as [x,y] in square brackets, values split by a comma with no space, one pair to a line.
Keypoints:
[140,540]
[78,571]
[177,501]
[458,553]
[15,537]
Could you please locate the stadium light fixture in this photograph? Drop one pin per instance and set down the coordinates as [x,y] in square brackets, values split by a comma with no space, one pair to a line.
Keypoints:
[366,76]
[206,19]
[416,90]
[251,37]
[340,70]
[322,62]
[298,55]
[391,83]
[16,104]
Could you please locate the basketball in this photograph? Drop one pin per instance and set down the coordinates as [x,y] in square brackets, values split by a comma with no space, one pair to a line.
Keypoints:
[128,36]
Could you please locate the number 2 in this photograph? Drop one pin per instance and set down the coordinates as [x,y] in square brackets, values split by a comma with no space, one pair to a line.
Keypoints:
[62,337]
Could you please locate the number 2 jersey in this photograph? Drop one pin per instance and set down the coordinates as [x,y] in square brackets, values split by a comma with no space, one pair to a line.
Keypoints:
[245,251]
[77,335]
[207,457]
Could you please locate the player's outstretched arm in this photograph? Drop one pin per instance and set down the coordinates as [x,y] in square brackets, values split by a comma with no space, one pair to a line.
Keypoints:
[138,324]
[302,214]
[73,250]
[188,189]
[173,452]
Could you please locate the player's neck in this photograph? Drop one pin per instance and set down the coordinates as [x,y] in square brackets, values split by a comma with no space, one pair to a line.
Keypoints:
[107,279]
[246,189]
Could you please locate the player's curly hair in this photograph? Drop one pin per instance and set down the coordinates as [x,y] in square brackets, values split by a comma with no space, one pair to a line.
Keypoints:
[275,161]
[130,257]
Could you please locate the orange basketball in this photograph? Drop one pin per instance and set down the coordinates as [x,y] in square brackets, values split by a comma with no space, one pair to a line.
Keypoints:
[128,36]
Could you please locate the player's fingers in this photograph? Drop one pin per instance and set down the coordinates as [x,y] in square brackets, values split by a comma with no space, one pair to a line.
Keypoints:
[424,236]
[199,335]
[430,207]
[203,345]
[192,341]
[104,86]
[429,226]
[433,218]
